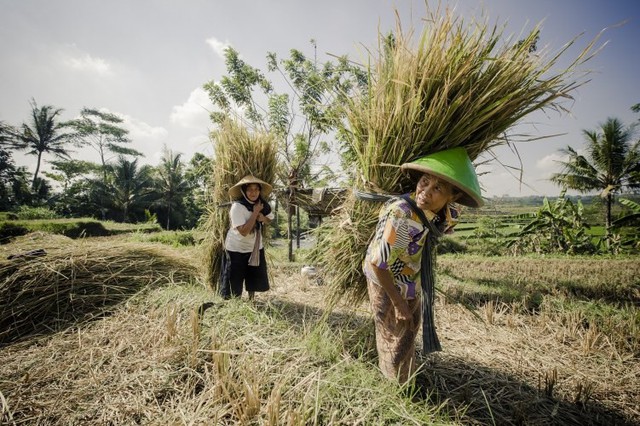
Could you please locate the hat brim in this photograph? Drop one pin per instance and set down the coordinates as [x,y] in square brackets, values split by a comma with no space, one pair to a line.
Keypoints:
[235,191]
[467,198]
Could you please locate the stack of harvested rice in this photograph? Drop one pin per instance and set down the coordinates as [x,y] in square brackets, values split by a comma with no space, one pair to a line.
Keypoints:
[237,153]
[82,281]
[459,85]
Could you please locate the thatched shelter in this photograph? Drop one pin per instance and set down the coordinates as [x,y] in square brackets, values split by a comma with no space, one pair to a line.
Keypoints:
[317,202]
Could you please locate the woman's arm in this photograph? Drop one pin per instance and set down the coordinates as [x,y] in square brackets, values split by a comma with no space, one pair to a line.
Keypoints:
[264,219]
[385,279]
[248,226]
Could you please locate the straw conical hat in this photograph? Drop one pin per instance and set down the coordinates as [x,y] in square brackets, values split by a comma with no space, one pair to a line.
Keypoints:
[453,166]
[236,190]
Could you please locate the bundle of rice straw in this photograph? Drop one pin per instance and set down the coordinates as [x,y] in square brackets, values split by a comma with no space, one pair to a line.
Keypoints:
[237,153]
[459,86]
[79,282]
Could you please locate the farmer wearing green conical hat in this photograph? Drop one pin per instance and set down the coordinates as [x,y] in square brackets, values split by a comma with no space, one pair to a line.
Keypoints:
[399,261]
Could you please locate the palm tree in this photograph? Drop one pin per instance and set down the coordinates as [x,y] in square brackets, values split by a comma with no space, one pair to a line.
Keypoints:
[611,164]
[131,187]
[5,134]
[172,185]
[43,134]
[7,167]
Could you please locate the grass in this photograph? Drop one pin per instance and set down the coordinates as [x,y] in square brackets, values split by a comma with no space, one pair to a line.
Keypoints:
[235,364]
[73,228]
[614,280]
[175,353]
[171,238]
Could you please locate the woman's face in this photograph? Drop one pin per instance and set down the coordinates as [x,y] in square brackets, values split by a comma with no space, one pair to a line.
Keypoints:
[433,193]
[253,192]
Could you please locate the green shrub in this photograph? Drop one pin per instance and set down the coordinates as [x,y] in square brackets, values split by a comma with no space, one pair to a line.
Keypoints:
[172,238]
[31,213]
[558,227]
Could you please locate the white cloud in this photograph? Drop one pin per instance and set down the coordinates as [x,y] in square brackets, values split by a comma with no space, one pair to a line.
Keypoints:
[138,129]
[550,162]
[194,113]
[218,46]
[145,138]
[88,63]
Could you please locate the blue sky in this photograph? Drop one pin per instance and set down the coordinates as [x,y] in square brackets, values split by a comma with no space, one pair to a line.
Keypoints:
[147,60]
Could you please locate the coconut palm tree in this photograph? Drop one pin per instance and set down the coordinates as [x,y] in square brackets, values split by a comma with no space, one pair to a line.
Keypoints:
[5,133]
[172,185]
[611,163]
[44,134]
[131,187]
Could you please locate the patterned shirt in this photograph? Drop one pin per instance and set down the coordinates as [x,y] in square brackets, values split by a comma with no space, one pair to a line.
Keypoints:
[397,246]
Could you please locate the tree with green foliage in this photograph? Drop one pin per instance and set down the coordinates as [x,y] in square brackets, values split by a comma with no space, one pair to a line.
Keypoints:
[129,189]
[628,225]
[557,227]
[6,135]
[67,171]
[611,163]
[103,132]
[7,168]
[197,174]
[632,218]
[171,187]
[305,120]
[77,179]
[43,134]
[319,92]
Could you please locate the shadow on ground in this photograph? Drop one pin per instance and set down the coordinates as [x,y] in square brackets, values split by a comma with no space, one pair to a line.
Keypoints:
[484,395]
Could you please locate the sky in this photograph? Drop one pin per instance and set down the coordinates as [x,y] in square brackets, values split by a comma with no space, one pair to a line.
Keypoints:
[146,60]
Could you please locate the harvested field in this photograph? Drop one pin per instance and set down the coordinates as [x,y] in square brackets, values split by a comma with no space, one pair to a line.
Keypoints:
[177,354]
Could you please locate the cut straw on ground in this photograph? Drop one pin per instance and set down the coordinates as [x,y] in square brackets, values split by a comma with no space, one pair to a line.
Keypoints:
[177,355]
[86,280]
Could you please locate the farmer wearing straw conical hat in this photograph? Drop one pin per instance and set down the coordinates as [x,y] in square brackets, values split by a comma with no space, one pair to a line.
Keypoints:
[244,258]
[399,261]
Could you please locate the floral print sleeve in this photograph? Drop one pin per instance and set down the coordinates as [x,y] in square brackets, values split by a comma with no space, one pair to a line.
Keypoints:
[397,247]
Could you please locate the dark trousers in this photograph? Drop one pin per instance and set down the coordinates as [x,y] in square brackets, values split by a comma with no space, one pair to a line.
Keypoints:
[236,272]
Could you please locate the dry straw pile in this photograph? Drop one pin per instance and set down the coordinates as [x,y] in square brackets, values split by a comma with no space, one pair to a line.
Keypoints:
[237,153]
[83,281]
[460,84]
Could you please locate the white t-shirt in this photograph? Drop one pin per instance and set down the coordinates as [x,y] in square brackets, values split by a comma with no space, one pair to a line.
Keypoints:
[235,241]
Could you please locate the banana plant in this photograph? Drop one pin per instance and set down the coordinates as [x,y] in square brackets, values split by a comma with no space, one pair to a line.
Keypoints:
[631,220]
[557,227]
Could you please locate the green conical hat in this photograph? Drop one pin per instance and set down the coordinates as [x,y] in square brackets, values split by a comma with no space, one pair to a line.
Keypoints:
[454,166]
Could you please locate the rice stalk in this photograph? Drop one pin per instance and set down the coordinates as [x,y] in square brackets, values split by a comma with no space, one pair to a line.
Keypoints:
[48,293]
[237,153]
[458,85]
[121,369]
